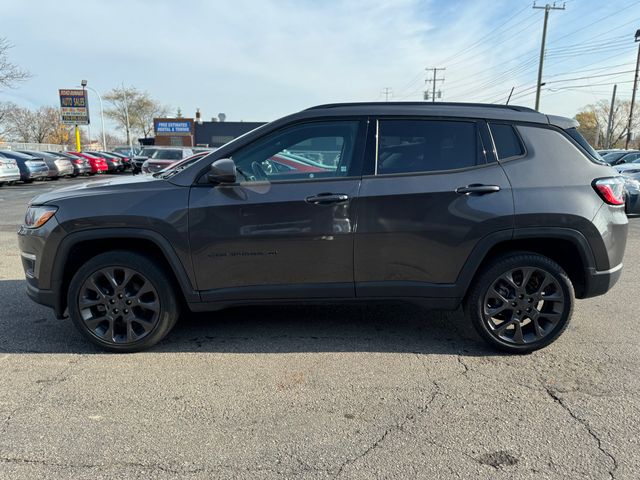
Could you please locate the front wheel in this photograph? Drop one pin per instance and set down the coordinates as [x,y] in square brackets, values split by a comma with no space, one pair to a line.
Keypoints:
[123,301]
[521,302]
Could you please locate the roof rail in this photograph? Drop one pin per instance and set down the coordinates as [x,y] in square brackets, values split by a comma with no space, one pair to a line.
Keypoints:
[517,108]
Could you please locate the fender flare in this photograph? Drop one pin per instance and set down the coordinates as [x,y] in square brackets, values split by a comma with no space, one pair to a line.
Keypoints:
[66,245]
[484,246]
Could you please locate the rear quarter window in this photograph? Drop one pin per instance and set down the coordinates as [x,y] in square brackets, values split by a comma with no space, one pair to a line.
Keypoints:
[506,140]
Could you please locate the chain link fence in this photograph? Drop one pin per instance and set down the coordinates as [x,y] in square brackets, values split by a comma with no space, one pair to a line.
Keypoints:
[32,146]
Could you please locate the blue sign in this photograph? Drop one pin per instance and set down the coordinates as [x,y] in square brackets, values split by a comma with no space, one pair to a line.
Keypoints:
[173,127]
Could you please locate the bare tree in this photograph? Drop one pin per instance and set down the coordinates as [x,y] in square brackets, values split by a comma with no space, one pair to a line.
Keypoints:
[148,110]
[598,117]
[10,73]
[32,126]
[113,140]
[141,109]
[5,109]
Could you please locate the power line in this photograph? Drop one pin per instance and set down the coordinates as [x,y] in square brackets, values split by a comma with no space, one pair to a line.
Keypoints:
[599,20]
[482,39]
[386,91]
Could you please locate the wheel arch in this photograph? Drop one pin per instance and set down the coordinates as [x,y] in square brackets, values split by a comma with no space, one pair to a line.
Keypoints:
[567,247]
[78,247]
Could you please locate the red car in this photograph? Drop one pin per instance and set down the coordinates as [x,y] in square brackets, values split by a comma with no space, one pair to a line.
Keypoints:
[98,165]
[289,163]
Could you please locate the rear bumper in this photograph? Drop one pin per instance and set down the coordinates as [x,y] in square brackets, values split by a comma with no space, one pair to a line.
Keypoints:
[600,282]
[9,177]
[39,173]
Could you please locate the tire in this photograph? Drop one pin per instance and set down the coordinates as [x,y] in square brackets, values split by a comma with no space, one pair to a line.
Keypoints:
[539,300]
[119,308]
[28,180]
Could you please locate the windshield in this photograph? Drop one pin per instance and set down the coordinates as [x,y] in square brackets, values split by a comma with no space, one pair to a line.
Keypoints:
[167,155]
[577,136]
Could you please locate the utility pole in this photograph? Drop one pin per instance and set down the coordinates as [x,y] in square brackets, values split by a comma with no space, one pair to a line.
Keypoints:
[633,94]
[433,81]
[386,91]
[547,8]
[607,140]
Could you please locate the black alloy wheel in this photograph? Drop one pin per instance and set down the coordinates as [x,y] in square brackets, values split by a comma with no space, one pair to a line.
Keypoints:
[119,305]
[521,302]
[120,308]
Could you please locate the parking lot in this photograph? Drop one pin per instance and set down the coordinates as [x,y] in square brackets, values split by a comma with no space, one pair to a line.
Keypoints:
[316,392]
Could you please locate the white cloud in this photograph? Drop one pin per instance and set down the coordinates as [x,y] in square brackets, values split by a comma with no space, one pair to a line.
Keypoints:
[260,60]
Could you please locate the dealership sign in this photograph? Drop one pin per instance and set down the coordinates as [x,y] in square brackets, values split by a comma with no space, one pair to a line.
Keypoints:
[167,126]
[74,108]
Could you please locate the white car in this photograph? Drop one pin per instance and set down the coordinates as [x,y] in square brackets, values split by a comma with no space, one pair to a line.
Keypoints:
[9,171]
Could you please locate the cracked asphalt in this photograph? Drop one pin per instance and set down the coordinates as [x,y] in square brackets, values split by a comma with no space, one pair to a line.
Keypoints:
[316,392]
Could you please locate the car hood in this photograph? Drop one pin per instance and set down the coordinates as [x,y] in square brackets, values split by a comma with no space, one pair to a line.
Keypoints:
[115,185]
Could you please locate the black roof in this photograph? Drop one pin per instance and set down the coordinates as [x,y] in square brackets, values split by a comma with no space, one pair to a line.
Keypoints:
[517,108]
[489,111]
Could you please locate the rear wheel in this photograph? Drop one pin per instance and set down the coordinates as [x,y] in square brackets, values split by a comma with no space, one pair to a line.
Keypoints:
[521,302]
[122,301]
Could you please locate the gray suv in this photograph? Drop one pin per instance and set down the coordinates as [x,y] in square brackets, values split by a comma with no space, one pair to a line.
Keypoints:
[501,209]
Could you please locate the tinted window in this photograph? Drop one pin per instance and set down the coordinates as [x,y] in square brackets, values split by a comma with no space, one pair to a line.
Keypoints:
[427,145]
[311,150]
[506,140]
[167,154]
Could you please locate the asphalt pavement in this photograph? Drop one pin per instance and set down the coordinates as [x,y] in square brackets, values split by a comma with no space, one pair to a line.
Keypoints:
[316,392]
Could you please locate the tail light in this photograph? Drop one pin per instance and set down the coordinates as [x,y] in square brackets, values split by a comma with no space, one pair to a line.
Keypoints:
[610,189]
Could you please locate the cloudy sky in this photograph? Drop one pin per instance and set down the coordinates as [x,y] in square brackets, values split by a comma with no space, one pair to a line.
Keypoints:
[257,60]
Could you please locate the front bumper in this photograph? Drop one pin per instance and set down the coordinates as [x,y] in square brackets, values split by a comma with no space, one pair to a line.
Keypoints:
[37,251]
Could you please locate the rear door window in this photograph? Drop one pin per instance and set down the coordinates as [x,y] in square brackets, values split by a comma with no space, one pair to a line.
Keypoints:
[406,146]
[506,140]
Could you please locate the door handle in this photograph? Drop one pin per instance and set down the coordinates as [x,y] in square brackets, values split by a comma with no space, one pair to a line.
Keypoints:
[327,198]
[477,189]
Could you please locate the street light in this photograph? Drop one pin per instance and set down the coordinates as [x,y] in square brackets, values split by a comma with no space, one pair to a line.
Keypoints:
[633,93]
[104,141]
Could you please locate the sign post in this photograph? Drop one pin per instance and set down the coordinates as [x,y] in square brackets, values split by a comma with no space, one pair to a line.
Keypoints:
[74,110]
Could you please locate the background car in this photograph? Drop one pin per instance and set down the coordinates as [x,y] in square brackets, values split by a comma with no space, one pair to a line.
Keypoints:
[59,166]
[609,150]
[129,152]
[113,162]
[31,168]
[632,204]
[9,171]
[98,165]
[151,166]
[622,156]
[126,161]
[162,157]
[80,165]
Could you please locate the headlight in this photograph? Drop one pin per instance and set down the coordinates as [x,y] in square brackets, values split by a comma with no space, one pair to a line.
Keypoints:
[37,216]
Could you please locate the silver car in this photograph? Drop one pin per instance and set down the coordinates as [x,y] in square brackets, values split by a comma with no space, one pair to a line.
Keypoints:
[9,171]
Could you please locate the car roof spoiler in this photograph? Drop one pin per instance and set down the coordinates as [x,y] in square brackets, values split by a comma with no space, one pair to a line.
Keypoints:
[563,122]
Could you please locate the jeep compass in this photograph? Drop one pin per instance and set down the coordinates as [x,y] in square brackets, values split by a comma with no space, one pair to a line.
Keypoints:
[502,210]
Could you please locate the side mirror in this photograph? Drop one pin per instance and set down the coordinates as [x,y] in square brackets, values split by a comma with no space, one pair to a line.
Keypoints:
[222,171]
